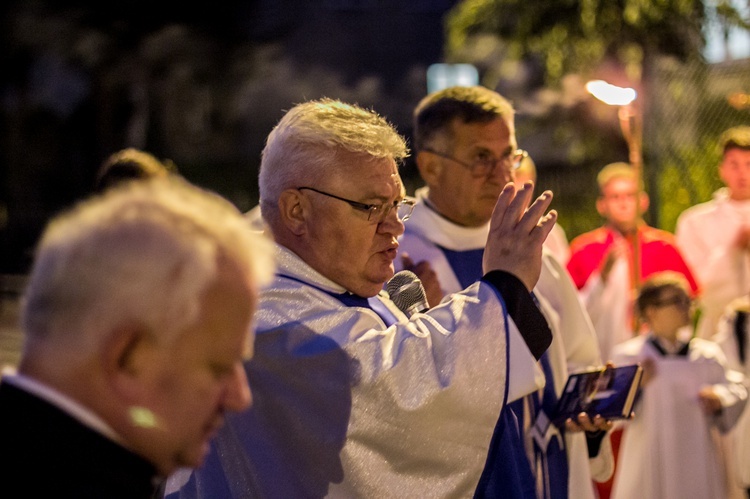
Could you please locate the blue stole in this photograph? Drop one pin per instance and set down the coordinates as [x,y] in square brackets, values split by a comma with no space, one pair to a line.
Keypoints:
[552,463]
[507,472]
[467,265]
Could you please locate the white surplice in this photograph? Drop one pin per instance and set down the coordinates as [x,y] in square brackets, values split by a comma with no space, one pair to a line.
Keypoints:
[668,451]
[574,345]
[406,410]
[706,234]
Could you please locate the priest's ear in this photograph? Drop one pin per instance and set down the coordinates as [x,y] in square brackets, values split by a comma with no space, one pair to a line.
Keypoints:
[128,357]
[294,211]
[429,166]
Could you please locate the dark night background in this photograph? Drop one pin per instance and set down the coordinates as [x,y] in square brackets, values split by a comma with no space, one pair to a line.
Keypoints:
[201,84]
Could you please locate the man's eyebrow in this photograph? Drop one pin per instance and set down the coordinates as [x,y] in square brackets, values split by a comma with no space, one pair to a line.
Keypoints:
[482,149]
[377,199]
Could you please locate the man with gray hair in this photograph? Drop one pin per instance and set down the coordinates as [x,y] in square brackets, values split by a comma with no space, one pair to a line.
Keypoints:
[466,152]
[355,397]
[136,320]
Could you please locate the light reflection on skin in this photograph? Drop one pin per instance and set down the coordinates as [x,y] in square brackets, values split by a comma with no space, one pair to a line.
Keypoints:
[143,417]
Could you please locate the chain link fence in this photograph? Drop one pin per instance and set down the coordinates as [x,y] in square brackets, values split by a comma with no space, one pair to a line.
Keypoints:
[687,108]
[693,105]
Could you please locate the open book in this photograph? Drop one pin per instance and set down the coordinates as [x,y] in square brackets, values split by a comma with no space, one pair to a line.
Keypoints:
[610,392]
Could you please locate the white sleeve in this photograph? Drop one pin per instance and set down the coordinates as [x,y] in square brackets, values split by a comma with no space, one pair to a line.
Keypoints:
[524,374]
[728,385]
[716,266]
[575,327]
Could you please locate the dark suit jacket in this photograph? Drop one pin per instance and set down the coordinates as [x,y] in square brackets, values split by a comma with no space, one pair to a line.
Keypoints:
[44,452]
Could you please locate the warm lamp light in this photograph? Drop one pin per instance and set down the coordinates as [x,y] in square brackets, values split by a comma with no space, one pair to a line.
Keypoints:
[610,94]
[630,124]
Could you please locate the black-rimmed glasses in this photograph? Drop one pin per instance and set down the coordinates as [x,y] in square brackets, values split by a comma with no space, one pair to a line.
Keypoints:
[484,165]
[376,213]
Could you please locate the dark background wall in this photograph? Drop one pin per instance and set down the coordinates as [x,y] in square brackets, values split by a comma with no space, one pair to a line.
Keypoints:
[201,84]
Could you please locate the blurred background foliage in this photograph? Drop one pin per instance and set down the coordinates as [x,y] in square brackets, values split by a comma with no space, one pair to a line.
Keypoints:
[540,54]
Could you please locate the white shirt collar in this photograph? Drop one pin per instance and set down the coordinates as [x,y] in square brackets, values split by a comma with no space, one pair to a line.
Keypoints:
[441,231]
[290,264]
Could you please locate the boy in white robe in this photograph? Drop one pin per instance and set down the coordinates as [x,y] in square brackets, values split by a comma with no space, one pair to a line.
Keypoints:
[714,236]
[687,392]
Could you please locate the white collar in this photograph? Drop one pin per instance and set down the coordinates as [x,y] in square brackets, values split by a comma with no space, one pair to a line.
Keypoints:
[428,223]
[668,346]
[291,265]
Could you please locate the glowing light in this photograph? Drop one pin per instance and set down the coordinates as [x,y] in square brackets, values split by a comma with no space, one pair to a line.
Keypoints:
[610,94]
[739,100]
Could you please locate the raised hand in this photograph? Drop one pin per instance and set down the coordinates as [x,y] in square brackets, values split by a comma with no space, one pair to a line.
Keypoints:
[517,232]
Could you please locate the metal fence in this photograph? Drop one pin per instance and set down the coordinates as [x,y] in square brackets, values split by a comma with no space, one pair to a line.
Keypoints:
[694,104]
[689,106]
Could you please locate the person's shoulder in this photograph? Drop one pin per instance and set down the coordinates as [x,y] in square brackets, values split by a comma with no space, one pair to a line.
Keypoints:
[635,342]
[596,236]
[703,343]
[741,304]
[628,348]
[706,349]
[291,302]
[652,234]
[292,291]
[698,212]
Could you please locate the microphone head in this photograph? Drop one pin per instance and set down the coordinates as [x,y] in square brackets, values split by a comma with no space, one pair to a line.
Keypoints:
[407,292]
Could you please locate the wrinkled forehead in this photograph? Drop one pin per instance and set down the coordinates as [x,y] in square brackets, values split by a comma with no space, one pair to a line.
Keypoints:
[458,125]
[366,173]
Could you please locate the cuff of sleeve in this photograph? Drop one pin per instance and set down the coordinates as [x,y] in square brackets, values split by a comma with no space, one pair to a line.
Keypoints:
[522,309]
[594,442]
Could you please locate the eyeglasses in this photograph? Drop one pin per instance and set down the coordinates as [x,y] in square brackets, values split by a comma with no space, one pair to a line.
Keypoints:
[485,164]
[376,213]
[683,301]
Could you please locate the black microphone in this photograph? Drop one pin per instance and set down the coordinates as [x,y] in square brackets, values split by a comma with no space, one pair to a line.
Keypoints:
[407,292]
